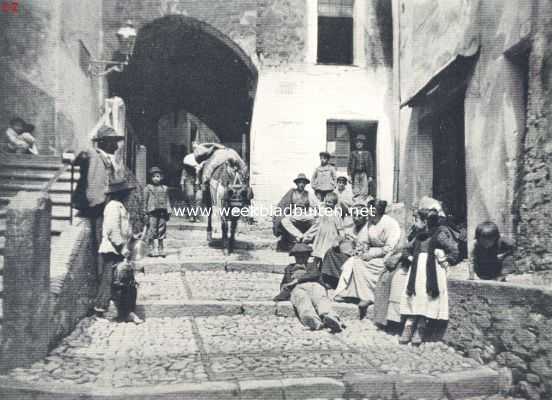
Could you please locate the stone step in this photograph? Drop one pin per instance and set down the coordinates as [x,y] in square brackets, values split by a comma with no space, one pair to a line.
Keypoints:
[59,223]
[25,175]
[247,357]
[10,189]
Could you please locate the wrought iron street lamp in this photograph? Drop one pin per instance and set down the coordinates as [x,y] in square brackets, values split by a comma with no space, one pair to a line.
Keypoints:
[127,38]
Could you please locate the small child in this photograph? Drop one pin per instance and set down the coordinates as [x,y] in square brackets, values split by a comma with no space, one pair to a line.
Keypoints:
[116,234]
[344,194]
[309,298]
[327,230]
[492,254]
[425,296]
[324,177]
[158,209]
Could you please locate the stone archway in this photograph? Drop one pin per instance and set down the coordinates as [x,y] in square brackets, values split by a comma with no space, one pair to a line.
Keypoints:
[181,63]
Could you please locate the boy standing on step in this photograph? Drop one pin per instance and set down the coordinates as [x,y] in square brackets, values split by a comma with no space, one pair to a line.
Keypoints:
[309,298]
[158,209]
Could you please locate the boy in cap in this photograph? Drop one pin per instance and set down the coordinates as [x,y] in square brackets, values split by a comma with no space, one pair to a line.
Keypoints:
[324,177]
[158,209]
[361,169]
[309,298]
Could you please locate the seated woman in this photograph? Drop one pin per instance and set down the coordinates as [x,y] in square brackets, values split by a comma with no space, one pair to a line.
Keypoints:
[20,138]
[335,257]
[361,272]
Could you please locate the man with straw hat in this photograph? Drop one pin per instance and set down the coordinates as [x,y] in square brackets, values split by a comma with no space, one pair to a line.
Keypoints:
[294,211]
[309,298]
[97,168]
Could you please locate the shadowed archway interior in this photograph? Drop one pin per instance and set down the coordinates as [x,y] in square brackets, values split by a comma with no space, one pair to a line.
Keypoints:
[182,63]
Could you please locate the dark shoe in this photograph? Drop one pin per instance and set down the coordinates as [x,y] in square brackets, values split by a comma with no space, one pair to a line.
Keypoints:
[100,312]
[333,323]
[313,323]
[407,333]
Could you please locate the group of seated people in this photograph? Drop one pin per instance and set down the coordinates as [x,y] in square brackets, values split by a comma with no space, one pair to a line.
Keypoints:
[373,261]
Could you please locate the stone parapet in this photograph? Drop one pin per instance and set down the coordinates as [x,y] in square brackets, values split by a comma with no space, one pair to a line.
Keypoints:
[26,280]
[507,327]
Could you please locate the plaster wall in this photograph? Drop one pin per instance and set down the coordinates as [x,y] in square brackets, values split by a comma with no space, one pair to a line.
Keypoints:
[494,107]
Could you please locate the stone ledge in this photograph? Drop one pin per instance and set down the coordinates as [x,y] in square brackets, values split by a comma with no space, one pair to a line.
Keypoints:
[228,266]
[387,387]
[206,308]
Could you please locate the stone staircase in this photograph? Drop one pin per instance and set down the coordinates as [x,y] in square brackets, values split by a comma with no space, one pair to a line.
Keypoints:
[212,331]
[24,172]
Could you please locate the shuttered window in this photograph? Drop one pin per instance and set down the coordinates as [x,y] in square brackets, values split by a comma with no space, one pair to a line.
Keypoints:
[335,32]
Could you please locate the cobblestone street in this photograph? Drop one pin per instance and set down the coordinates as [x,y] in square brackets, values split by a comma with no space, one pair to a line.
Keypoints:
[245,346]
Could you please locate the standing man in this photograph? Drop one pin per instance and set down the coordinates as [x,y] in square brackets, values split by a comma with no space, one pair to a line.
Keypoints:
[98,167]
[361,169]
[190,185]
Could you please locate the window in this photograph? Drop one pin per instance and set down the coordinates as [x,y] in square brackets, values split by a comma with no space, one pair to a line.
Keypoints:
[338,143]
[335,32]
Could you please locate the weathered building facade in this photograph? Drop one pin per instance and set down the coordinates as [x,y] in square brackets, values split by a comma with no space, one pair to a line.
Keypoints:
[472,89]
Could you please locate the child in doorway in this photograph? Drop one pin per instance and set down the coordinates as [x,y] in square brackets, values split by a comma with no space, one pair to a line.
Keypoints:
[309,298]
[344,195]
[324,177]
[327,230]
[158,209]
[425,296]
[492,256]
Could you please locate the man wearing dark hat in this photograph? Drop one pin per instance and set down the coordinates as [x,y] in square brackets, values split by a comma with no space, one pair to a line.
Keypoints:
[117,280]
[97,168]
[361,169]
[292,214]
[310,299]
[324,177]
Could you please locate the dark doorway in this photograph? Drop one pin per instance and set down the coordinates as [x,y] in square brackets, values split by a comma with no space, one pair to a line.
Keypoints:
[340,141]
[449,160]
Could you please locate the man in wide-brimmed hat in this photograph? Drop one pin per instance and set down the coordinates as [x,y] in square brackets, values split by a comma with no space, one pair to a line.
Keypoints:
[98,168]
[301,285]
[292,213]
[361,169]
[324,177]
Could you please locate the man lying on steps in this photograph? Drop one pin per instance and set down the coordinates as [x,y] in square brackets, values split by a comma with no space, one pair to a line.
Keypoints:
[309,298]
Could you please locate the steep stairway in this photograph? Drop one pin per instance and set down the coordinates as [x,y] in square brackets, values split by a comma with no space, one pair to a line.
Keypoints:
[24,172]
[212,331]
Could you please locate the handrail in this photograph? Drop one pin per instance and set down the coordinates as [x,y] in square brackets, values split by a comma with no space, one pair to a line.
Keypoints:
[54,178]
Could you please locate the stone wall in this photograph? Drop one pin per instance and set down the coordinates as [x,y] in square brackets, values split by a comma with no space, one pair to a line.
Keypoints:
[509,328]
[535,206]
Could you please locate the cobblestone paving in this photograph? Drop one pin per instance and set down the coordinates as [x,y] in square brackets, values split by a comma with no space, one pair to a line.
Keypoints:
[108,354]
[160,287]
[216,285]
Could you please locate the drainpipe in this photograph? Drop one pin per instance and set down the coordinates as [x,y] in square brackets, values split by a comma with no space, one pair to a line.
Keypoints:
[396,97]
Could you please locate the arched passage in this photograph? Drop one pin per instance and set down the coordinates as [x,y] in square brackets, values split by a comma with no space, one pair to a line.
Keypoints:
[181,63]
